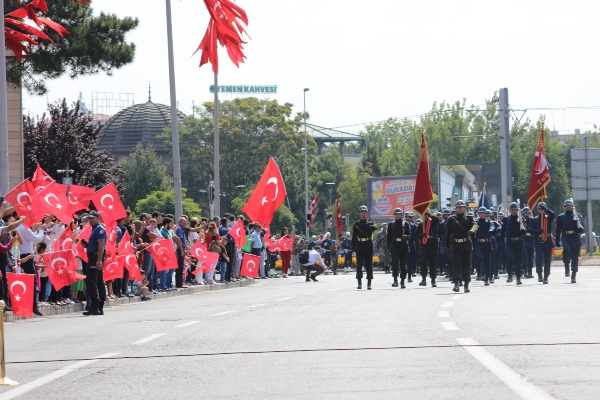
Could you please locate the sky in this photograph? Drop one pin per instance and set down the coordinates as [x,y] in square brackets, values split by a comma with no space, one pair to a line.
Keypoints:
[366,61]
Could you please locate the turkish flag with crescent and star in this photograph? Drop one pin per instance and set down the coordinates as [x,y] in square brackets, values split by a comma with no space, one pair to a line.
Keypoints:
[125,246]
[164,254]
[20,198]
[52,200]
[79,197]
[112,269]
[540,174]
[40,179]
[338,214]
[268,195]
[85,233]
[238,233]
[284,243]
[250,266]
[313,211]
[204,257]
[423,193]
[108,203]
[110,245]
[61,267]
[20,288]
[65,241]
[129,262]
[81,253]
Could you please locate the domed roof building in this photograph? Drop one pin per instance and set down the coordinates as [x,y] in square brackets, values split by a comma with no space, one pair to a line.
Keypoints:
[140,123]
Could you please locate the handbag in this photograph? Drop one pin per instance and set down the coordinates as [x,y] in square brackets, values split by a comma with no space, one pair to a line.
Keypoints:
[214,247]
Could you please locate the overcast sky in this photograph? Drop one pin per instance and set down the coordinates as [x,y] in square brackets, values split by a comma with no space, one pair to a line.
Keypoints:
[366,61]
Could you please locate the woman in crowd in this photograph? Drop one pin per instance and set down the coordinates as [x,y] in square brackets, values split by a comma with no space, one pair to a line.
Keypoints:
[285,254]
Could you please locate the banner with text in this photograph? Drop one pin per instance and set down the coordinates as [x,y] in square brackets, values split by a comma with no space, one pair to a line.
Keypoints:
[386,193]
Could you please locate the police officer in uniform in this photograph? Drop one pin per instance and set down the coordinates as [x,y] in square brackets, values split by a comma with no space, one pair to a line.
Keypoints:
[362,244]
[444,259]
[397,238]
[513,230]
[569,227]
[94,280]
[541,228]
[529,244]
[483,246]
[427,232]
[457,239]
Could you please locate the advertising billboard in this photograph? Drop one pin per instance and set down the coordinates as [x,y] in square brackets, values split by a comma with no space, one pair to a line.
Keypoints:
[465,182]
[386,193]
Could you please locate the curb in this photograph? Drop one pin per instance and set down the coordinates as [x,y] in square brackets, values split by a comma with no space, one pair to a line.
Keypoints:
[79,307]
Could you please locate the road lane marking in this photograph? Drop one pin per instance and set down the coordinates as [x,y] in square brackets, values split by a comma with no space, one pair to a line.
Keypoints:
[187,324]
[285,298]
[512,379]
[149,338]
[456,297]
[223,313]
[256,305]
[450,326]
[447,304]
[307,293]
[18,391]
[333,290]
[443,314]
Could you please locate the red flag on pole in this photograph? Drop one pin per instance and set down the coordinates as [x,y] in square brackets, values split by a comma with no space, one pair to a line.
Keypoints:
[268,195]
[238,233]
[79,196]
[40,179]
[65,241]
[164,254]
[108,203]
[125,246]
[423,193]
[250,266]
[113,269]
[61,267]
[338,213]
[540,173]
[52,200]
[129,262]
[20,288]
[313,211]
[204,257]
[20,198]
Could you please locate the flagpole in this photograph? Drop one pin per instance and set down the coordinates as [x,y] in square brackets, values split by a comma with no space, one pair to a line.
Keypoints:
[4,175]
[217,172]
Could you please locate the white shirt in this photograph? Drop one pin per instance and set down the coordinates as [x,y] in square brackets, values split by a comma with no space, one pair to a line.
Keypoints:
[52,235]
[193,238]
[313,256]
[29,238]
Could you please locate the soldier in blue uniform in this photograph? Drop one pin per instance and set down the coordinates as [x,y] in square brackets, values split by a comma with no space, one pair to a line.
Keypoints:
[529,244]
[444,258]
[94,280]
[412,244]
[513,230]
[541,227]
[568,228]
[482,246]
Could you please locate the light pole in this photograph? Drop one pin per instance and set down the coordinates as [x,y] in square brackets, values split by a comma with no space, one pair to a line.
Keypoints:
[305,165]
[211,198]
[67,179]
[4,175]
[241,189]
[330,185]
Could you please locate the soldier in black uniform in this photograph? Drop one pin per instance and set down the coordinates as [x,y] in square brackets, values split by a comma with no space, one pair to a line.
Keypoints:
[482,247]
[458,229]
[541,227]
[427,232]
[529,244]
[362,244]
[398,236]
[569,228]
[513,230]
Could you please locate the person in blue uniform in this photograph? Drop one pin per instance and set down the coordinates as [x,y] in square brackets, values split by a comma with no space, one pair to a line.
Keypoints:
[569,227]
[501,246]
[362,245]
[94,280]
[427,232]
[458,240]
[541,228]
[495,239]
[528,244]
[482,246]
[412,245]
[513,230]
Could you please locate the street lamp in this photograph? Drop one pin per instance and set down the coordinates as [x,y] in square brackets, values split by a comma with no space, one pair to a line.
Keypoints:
[305,164]
[330,185]
[241,189]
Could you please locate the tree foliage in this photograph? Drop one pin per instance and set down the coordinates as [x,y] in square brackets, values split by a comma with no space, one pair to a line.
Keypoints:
[95,44]
[65,137]
[164,201]
[144,173]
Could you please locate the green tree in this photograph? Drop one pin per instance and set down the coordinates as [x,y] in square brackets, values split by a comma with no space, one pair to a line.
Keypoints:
[95,44]
[353,193]
[144,173]
[164,201]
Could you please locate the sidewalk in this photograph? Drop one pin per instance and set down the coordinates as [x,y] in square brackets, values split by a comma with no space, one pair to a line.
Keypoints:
[75,308]
[595,260]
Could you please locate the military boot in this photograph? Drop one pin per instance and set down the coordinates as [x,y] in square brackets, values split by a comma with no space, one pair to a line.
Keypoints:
[519,280]
[433,282]
[93,308]
[540,277]
[567,270]
[545,279]
[486,281]
[402,284]
[423,282]
[467,290]
[395,284]
[573,274]
[456,286]
[359,283]
[101,307]
[368,284]
[510,279]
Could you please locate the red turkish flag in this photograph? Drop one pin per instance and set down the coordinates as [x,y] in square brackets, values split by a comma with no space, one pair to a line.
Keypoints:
[79,197]
[112,269]
[20,198]
[40,179]
[110,245]
[204,268]
[129,262]
[423,193]
[81,253]
[85,233]
[164,254]
[540,174]
[125,246]
[52,200]
[108,203]
[282,244]
[313,211]
[204,257]
[268,195]
[65,241]
[61,267]
[338,215]
[250,266]
[238,233]
[21,290]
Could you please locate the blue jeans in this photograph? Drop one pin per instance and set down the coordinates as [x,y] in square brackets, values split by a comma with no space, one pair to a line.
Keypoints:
[222,270]
[163,279]
[170,278]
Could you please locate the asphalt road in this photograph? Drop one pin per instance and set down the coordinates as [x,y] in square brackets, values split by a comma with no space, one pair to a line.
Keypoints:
[289,339]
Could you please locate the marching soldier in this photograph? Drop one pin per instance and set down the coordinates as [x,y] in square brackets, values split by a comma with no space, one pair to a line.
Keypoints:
[457,239]
[412,243]
[483,246]
[541,228]
[444,259]
[362,244]
[529,244]
[501,246]
[427,232]
[398,236]
[382,248]
[568,228]
[513,230]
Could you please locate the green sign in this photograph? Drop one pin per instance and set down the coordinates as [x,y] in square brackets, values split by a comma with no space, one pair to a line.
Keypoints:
[252,89]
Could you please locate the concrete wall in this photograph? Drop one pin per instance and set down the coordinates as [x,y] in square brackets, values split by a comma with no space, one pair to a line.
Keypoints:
[15,134]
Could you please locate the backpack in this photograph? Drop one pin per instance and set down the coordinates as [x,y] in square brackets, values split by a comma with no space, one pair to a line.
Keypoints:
[303,258]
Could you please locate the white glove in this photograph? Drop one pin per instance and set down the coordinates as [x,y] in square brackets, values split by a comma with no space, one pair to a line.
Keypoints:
[579,226]
[492,228]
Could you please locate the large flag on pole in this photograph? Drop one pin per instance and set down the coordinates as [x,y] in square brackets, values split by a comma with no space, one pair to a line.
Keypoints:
[313,210]
[483,200]
[268,195]
[423,193]
[338,214]
[540,174]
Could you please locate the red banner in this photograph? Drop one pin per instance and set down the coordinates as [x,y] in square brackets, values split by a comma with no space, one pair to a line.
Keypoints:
[20,288]
[250,266]
[540,174]
[338,215]
[423,193]
[164,254]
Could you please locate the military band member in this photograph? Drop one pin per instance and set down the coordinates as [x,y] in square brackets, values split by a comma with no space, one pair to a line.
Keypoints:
[397,237]
[541,228]
[427,234]
[568,228]
[362,245]
[513,230]
[458,229]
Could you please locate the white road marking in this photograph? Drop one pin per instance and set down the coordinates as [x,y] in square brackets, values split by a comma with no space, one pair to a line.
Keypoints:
[456,297]
[448,304]
[149,338]
[187,324]
[333,290]
[223,313]
[285,298]
[256,305]
[443,314]
[307,293]
[450,326]
[510,378]
[18,391]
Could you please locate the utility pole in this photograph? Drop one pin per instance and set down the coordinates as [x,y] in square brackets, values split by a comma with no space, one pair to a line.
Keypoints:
[4,175]
[505,163]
